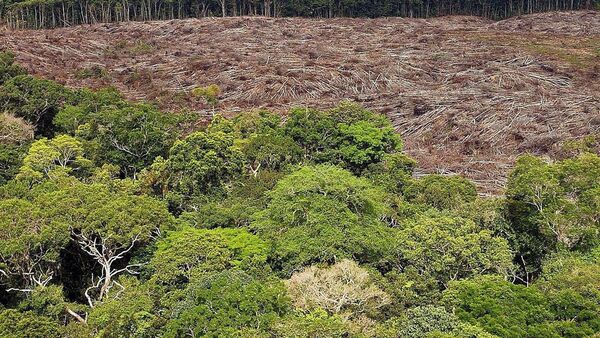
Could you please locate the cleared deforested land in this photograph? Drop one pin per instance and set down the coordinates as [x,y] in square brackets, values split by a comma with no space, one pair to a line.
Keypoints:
[468,95]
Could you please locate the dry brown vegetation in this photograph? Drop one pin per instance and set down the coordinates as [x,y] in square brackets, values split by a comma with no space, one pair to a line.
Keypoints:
[468,95]
[342,287]
[14,130]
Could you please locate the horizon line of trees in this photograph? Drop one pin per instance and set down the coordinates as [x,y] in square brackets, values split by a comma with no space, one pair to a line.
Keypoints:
[38,14]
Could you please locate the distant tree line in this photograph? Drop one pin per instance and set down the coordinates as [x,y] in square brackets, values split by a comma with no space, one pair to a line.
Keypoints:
[57,13]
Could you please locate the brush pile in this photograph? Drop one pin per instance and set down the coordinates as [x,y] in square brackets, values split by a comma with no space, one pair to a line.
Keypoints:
[466,94]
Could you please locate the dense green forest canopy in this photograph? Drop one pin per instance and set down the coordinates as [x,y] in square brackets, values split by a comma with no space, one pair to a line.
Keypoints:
[53,13]
[121,220]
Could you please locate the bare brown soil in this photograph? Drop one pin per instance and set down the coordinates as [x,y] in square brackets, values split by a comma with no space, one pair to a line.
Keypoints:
[468,95]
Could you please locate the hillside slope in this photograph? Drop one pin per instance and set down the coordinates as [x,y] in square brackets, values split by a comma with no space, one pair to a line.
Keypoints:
[468,95]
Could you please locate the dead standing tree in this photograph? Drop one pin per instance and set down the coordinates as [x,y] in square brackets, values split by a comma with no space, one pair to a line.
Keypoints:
[108,227]
[106,254]
[113,231]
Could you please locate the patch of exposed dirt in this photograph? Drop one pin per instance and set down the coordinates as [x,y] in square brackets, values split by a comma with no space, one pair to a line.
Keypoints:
[468,95]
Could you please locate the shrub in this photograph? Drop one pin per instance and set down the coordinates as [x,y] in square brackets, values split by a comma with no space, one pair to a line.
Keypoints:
[209,93]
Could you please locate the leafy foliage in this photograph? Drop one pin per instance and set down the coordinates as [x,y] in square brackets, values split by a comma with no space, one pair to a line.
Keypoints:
[209,93]
[320,213]
[8,68]
[452,248]
[202,163]
[441,192]
[348,135]
[500,307]
[316,324]
[35,100]
[226,303]
[570,282]
[114,224]
[29,245]
[129,315]
[121,133]
[554,205]
[423,320]
[11,159]
[62,154]
[187,252]
[93,210]
[27,324]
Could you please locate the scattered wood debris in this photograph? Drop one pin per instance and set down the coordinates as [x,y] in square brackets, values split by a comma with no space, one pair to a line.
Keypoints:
[466,97]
